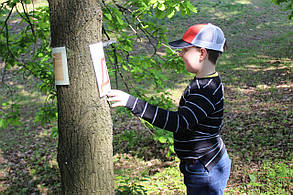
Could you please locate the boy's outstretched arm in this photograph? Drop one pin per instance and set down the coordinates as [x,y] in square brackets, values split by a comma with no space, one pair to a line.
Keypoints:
[188,116]
[119,97]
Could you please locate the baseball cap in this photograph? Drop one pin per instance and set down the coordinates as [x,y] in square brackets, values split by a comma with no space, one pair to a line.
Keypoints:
[207,36]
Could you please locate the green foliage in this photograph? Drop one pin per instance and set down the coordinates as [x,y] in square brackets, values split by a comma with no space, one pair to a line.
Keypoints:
[165,137]
[127,136]
[134,24]
[151,177]
[289,5]
[33,41]
[125,182]
[46,114]
[10,115]
[169,179]
[128,185]
[138,27]
[271,178]
[275,176]
[162,136]
[28,48]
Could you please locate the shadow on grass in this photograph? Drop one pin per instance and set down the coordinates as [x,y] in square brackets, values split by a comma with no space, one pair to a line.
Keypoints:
[28,164]
[28,153]
[28,160]
[258,122]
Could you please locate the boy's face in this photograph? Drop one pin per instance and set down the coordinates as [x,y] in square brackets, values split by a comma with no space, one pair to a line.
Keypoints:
[191,58]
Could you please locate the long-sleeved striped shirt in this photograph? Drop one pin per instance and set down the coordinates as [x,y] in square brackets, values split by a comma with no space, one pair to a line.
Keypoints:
[197,123]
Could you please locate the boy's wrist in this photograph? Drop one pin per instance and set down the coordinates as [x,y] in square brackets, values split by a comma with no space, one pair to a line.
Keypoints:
[130,102]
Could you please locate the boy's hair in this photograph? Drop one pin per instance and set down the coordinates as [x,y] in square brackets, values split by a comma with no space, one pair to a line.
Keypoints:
[213,55]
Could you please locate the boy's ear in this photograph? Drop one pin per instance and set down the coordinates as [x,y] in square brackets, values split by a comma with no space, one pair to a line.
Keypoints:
[203,54]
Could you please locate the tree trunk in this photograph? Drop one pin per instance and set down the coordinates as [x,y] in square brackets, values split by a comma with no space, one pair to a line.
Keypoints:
[84,122]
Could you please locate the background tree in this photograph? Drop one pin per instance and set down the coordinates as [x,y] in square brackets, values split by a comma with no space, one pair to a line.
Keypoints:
[84,121]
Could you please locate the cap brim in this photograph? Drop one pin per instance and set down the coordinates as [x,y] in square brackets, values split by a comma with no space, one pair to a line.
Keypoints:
[179,44]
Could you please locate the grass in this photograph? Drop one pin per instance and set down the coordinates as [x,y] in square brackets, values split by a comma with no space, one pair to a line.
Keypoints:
[257,72]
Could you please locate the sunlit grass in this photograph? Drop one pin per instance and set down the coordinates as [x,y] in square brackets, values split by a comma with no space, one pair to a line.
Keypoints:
[28,7]
[243,2]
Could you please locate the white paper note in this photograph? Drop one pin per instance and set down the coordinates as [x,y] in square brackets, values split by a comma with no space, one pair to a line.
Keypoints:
[100,67]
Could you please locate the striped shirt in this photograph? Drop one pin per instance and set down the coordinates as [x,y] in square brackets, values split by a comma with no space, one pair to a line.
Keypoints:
[197,123]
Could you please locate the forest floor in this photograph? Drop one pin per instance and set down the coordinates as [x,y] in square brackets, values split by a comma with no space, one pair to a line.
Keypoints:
[257,72]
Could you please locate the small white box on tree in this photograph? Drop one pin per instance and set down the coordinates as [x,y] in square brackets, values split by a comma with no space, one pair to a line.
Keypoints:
[60,66]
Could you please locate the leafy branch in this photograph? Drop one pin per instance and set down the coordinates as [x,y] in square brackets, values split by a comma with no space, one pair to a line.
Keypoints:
[27,18]
[133,24]
[27,49]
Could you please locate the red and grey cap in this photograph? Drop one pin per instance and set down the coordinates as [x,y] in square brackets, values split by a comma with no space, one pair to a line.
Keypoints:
[207,36]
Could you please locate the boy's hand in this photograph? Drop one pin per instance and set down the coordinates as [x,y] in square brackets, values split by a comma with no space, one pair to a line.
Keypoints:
[119,97]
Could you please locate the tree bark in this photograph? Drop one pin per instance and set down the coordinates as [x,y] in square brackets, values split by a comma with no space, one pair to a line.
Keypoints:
[84,122]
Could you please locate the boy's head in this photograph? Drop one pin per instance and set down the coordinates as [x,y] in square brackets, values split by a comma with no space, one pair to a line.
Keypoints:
[206,36]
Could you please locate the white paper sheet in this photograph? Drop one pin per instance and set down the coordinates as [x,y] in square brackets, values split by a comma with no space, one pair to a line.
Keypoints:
[100,67]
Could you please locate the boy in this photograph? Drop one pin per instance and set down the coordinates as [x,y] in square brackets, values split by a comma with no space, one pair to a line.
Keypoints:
[196,125]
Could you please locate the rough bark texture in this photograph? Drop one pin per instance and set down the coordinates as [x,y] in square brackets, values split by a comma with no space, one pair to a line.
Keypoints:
[84,122]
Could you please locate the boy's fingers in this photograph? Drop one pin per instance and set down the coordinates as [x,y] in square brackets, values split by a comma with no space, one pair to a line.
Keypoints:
[119,98]
[113,99]
[116,104]
[113,92]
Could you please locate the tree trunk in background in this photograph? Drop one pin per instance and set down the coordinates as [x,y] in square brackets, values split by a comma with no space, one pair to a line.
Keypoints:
[84,122]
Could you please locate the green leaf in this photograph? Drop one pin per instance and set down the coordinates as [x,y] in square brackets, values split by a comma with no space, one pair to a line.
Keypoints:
[163,139]
[170,140]
[162,7]
[14,121]
[127,48]
[3,123]
[252,178]
[120,21]
[108,16]
[152,2]
[191,7]
[27,1]
[160,14]
[171,13]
